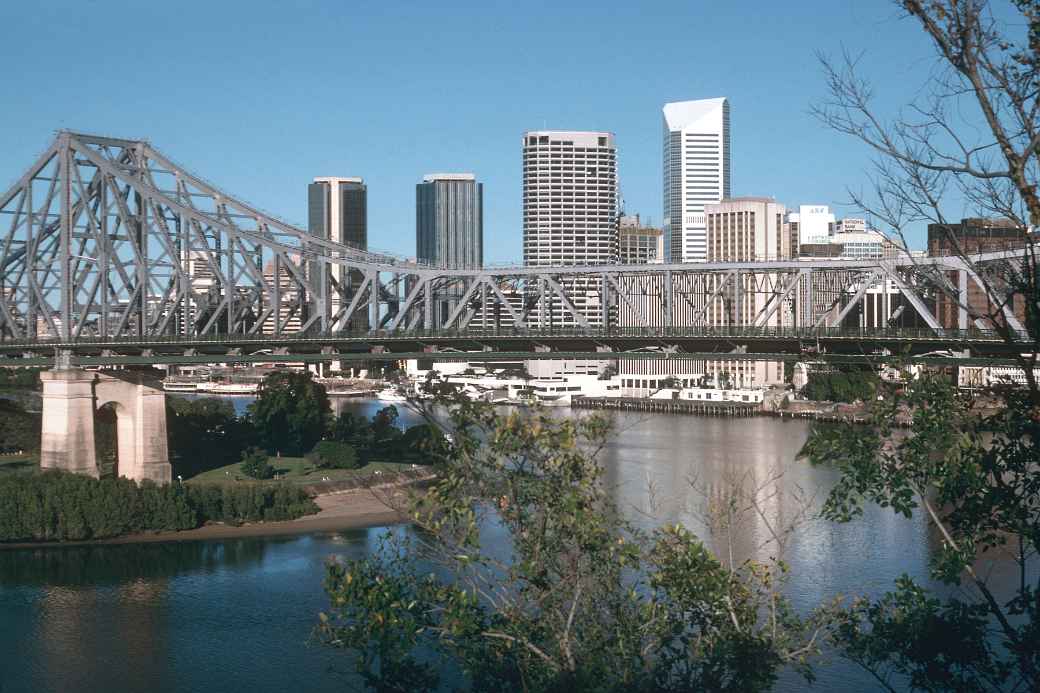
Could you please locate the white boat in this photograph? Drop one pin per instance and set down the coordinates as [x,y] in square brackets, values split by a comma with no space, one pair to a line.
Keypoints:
[390,394]
[229,388]
[174,386]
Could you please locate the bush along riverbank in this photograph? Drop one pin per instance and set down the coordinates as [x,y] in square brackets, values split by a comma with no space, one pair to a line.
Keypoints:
[57,506]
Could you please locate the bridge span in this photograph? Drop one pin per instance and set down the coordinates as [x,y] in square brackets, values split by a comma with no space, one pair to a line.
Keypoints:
[477,345]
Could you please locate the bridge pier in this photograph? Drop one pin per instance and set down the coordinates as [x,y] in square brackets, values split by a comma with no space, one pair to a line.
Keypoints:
[70,399]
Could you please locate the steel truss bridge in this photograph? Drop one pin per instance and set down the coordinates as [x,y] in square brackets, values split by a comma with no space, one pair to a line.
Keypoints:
[111,253]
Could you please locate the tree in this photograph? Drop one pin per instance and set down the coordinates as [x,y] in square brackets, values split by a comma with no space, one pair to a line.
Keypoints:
[331,454]
[19,429]
[204,434]
[353,429]
[974,134]
[572,597]
[291,413]
[975,479]
[423,444]
[385,432]
[255,464]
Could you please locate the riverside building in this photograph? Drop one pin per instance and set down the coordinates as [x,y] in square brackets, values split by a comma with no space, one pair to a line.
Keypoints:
[696,156]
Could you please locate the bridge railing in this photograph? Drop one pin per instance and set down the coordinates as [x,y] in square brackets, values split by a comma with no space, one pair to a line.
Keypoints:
[549,333]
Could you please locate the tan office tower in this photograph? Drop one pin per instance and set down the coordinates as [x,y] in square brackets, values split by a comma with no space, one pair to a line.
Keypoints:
[747,229]
[570,210]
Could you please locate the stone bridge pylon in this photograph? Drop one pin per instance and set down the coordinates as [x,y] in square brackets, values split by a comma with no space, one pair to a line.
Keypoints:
[72,396]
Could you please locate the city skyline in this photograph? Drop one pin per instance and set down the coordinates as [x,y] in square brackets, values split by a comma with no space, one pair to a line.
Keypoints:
[361,132]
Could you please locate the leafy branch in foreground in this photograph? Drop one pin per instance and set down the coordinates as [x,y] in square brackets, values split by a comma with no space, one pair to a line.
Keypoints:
[522,575]
[975,479]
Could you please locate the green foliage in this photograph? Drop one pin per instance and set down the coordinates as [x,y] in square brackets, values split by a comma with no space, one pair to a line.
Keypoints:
[572,598]
[352,429]
[204,434]
[842,386]
[291,413]
[19,429]
[423,444]
[381,440]
[936,646]
[385,432]
[976,480]
[724,380]
[332,454]
[57,506]
[255,464]
[27,378]
[249,503]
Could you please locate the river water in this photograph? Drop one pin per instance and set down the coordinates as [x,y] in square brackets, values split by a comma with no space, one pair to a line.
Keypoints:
[236,615]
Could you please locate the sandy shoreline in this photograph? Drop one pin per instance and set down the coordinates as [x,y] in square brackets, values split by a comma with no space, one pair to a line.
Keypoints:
[340,510]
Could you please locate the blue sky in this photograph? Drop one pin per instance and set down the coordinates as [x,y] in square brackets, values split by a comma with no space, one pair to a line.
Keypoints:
[259,97]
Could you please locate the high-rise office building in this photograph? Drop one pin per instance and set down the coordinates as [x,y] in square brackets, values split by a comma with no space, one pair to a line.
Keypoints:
[337,210]
[968,237]
[638,243]
[747,229]
[811,224]
[696,172]
[570,210]
[449,220]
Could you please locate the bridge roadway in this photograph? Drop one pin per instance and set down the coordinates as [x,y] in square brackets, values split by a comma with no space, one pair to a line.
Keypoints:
[767,343]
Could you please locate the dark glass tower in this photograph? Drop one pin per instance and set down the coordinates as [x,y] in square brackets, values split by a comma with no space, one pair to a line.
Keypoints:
[337,209]
[449,220]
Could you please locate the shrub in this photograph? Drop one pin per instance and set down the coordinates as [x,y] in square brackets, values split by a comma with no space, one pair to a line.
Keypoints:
[255,464]
[422,444]
[58,506]
[19,429]
[331,454]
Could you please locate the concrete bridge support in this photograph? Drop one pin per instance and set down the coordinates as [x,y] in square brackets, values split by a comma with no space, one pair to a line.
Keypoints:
[70,399]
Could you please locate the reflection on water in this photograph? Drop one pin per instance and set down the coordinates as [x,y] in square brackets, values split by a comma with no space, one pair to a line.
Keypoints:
[237,614]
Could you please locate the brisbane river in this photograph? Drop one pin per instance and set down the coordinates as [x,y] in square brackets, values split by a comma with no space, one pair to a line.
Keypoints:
[236,615]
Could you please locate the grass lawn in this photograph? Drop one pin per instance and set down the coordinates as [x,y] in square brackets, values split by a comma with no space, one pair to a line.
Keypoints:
[11,464]
[295,470]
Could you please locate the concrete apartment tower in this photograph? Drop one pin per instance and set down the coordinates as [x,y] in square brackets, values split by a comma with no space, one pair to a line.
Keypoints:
[570,208]
[337,209]
[696,172]
[449,220]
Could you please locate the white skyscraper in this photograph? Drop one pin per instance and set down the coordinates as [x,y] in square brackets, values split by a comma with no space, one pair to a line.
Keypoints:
[696,172]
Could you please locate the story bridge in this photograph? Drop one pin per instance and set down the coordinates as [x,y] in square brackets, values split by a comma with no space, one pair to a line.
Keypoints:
[111,251]
[113,254]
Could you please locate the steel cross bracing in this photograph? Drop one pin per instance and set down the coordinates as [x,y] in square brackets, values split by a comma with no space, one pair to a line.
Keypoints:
[106,237]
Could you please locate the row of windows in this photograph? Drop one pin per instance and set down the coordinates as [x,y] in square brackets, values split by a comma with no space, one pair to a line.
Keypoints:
[569,154]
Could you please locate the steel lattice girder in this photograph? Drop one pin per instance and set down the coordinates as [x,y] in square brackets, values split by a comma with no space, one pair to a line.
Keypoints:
[109,237]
